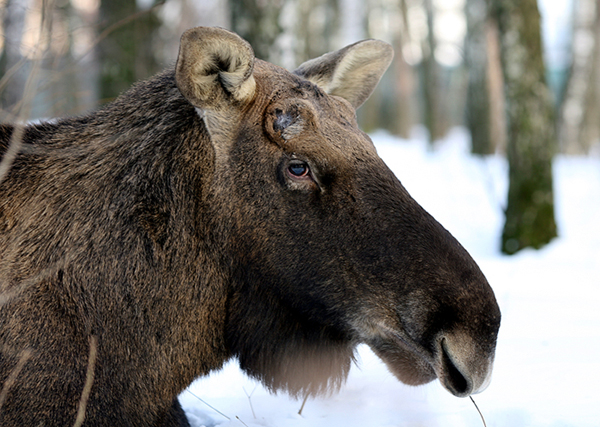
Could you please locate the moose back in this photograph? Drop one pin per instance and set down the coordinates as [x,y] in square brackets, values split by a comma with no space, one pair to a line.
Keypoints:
[224,208]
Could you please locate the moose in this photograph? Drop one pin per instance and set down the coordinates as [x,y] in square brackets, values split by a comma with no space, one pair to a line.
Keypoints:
[225,208]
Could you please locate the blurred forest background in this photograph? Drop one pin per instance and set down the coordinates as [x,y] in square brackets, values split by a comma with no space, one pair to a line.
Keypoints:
[474,63]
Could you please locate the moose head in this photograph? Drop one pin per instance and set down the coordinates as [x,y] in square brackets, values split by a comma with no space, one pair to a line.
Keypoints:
[325,247]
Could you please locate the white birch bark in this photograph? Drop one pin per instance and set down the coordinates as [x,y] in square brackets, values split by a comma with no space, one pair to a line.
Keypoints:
[579,122]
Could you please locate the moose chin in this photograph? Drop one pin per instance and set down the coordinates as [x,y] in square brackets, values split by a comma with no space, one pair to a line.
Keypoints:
[225,208]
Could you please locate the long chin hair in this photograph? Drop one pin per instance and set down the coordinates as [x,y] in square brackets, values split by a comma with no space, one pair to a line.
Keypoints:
[286,348]
[301,369]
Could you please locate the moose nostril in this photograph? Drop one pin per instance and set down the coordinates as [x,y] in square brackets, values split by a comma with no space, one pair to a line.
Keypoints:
[455,379]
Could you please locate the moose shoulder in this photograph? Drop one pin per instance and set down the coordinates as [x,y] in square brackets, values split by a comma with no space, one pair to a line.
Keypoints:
[224,208]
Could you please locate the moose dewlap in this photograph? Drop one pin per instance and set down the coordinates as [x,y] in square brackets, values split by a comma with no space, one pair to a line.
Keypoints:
[224,208]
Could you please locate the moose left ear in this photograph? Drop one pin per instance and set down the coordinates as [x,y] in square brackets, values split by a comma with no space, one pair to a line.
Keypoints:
[214,69]
[351,72]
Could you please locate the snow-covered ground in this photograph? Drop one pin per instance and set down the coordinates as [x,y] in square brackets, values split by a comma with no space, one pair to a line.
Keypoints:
[547,370]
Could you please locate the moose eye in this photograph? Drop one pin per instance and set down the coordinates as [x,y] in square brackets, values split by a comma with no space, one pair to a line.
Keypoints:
[298,170]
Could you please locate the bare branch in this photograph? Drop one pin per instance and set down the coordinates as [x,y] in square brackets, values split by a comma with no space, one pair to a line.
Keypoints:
[16,140]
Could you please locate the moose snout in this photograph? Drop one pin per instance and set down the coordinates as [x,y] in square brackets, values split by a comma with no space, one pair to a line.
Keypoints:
[463,368]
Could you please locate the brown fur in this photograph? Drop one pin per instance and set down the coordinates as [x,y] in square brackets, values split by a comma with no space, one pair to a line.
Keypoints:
[168,227]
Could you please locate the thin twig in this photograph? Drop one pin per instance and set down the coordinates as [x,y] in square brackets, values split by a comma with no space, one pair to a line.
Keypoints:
[480,414]
[89,380]
[16,140]
[210,406]
[303,403]
[249,396]
[238,418]
[11,72]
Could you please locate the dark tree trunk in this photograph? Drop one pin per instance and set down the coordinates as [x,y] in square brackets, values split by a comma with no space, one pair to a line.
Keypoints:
[125,54]
[257,21]
[478,95]
[531,129]
[431,81]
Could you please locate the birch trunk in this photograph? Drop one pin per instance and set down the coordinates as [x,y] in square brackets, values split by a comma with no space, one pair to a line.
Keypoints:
[14,69]
[580,126]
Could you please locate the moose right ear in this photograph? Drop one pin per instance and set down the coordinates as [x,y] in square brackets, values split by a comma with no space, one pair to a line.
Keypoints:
[351,72]
[214,68]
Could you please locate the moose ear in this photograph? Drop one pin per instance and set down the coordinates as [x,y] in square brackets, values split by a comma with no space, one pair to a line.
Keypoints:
[214,68]
[351,72]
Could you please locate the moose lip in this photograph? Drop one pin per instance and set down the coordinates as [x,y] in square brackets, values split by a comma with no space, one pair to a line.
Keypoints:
[405,341]
[403,355]
[406,359]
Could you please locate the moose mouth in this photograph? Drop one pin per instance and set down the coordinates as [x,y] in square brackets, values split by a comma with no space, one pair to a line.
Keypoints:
[455,361]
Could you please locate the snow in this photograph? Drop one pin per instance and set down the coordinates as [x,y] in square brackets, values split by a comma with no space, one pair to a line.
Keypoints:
[548,356]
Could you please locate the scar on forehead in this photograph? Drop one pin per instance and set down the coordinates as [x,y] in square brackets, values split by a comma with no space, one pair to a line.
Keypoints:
[282,120]
[288,124]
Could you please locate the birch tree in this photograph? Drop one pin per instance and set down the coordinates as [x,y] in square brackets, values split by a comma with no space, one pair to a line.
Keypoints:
[580,126]
[13,67]
[531,133]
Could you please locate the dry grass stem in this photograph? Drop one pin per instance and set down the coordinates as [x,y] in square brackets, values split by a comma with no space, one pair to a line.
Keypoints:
[89,380]
[303,403]
[210,406]
[238,418]
[23,358]
[249,396]
[480,414]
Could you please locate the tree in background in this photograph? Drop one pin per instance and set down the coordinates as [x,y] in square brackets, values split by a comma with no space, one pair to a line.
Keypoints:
[531,127]
[580,112]
[257,21]
[478,94]
[37,40]
[126,53]
[404,79]
[431,80]
[317,23]
[395,104]
[12,75]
